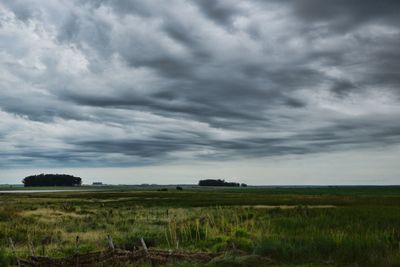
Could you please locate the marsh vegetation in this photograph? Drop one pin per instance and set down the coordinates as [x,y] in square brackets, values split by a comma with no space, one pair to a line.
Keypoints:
[282,227]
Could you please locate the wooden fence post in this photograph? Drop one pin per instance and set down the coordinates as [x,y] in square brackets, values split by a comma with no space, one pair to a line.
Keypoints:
[31,248]
[110,242]
[77,242]
[146,250]
[13,251]
[76,251]
[144,245]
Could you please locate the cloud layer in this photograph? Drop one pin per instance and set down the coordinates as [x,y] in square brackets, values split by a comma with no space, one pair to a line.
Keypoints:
[135,82]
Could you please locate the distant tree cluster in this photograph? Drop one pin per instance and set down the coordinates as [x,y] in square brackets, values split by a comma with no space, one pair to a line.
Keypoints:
[52,180]
[218,182]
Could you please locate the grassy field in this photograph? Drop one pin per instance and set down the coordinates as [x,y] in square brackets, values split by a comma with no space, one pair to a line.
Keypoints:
[336,226]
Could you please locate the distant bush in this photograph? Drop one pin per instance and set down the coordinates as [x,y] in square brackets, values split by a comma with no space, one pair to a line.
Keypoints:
[162,189]
[179,188]
[52,180]
[219,182]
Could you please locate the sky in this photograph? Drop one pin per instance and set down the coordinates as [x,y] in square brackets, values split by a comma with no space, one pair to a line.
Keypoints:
[265,92]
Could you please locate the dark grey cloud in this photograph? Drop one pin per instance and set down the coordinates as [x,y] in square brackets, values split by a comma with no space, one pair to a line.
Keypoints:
[221,12]
[342,87]
[132,82]
[347,14]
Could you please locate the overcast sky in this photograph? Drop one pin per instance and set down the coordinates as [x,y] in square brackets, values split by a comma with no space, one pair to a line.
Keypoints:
[264,92]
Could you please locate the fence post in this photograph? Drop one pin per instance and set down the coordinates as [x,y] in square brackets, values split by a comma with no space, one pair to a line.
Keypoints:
[77,242]
[146,250]
[144,245]
[13,251]
[110,242]
[31,248]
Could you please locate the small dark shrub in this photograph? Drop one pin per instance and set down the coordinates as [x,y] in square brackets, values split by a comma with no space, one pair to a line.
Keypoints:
[162,189]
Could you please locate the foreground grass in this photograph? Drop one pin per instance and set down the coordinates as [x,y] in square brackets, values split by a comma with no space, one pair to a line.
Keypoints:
[309,227]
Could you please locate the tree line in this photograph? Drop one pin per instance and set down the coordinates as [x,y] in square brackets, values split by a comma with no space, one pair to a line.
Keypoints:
[219,182]
[52,180]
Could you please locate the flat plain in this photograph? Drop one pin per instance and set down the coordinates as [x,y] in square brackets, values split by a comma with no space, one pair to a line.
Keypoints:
[315,226]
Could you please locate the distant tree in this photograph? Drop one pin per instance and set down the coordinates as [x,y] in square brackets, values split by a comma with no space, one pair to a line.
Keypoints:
[52,180]
[162,189]
[179,188]
[218,182]
[243,185]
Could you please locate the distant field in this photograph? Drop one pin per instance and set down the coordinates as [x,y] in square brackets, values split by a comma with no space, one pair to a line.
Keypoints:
[335,226]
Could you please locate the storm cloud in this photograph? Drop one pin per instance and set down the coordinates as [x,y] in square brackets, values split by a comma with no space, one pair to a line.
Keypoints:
[139,82]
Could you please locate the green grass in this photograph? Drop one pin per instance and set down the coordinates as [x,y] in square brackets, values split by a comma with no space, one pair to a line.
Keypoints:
[350,226]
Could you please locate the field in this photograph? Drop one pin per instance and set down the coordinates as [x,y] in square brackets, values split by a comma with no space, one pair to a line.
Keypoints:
[327,226]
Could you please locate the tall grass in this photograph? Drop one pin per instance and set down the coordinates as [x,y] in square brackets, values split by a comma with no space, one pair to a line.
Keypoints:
[361,234]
